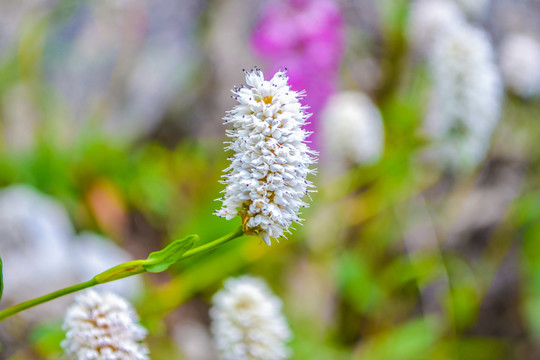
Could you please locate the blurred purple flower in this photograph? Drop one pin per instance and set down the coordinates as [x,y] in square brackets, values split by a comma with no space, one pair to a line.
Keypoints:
[306,37]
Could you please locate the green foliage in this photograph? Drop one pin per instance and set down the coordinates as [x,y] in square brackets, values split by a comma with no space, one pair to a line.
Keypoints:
[385,282]
[358,284]
[47,338]
[472,349]
[159,261]
[410,341]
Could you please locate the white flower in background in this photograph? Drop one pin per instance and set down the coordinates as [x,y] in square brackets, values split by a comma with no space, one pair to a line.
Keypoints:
[103,327]
[520,65]
[35,234]
[247,321]
[475,9]
[194,339]
[353,129]
[266,180]
[41,252]
[428,19]
[467,96]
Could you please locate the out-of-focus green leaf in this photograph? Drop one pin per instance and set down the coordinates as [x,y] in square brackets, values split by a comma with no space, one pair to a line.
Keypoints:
[357,283]
[422,269]
[472,349]
[159,261]
[463,296]
[526,209]
[464,301]
[46,339]
[308,344]
[530,263]
[412,340]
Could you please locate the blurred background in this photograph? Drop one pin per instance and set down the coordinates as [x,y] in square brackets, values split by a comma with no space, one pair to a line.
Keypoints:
[423,240]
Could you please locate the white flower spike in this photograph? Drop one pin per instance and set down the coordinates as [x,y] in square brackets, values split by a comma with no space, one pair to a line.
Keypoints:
[429,19]
[103,327]
[467,97]
[266,180]
[247,321]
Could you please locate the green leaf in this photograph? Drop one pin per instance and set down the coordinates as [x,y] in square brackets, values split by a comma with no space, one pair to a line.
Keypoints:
[159,261]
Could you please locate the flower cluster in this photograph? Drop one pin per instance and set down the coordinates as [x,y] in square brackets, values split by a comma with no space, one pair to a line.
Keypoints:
[467,96]
[266,180]
[353,129]
[475,9]
[307,36]
[429,19]
[103,327]
[520,65]
[247,321]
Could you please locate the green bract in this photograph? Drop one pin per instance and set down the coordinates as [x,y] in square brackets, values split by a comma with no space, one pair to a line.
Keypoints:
[159,261]
[156,262]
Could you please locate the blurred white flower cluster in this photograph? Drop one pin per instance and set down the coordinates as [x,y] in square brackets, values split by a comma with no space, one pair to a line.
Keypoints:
[475,9]
[266,180]
[467,94]
[353,130]
[41,252]
[247,321]
[103,327]
[467,89]
[520,65]
[429,19]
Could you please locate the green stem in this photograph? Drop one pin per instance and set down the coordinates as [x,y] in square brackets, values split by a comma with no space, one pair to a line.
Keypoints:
[125,270]
[42,299]
[213,244]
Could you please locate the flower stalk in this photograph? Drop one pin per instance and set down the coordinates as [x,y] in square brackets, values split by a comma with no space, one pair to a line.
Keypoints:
[156,262]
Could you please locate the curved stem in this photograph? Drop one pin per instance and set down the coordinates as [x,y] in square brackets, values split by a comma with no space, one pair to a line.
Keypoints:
[128,272]
[42,299]
[213,244]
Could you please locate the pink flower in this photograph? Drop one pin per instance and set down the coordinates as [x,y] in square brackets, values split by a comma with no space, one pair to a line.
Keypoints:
[307,38]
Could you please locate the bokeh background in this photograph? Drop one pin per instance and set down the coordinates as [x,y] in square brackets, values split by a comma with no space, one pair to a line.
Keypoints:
[111,146]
